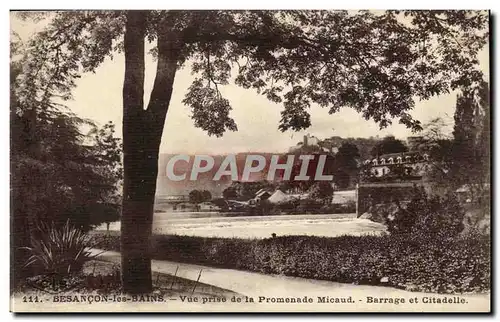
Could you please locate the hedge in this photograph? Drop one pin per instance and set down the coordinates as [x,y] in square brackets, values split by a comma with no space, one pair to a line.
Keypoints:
[452,265]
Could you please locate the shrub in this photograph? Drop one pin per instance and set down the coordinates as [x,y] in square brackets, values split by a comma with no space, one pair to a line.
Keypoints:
[445,217]
[60,251]
[321,190]
[439,265]
[435,215]
[288,206]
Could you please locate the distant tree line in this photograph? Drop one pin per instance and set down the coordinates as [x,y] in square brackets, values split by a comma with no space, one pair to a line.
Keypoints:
[198,196]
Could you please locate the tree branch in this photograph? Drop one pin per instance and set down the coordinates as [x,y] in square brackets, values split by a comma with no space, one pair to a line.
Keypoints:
[447,30]
[209,74]
[169,47]
[133,85]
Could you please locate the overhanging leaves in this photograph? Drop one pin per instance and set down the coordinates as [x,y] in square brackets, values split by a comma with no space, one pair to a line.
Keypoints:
[378,63]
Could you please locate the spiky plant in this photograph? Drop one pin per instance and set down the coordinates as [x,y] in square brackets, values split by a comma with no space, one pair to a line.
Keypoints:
[59,250]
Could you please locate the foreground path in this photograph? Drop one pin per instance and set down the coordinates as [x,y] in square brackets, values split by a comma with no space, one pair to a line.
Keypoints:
[265,289]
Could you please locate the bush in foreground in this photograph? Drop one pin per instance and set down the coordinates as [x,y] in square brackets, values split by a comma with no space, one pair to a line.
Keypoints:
[58,251]
[445,265]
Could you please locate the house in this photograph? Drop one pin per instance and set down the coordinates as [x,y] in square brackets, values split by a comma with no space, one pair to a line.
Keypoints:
[279,197]
[262,194]
[414,163]
[308,141]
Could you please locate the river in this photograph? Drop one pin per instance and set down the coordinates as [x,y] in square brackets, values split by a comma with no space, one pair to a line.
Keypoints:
[213,224]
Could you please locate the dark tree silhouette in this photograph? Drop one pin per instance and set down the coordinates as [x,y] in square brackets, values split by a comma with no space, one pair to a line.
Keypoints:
[346,164]
[470,151]
[199,196]
[389,144]
[321,190]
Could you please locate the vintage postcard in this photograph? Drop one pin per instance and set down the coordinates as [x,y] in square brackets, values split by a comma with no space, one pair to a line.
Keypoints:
[250,161]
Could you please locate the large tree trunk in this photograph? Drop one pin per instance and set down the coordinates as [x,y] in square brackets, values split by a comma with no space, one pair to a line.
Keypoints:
[141,169]
[139,165]
[142,131]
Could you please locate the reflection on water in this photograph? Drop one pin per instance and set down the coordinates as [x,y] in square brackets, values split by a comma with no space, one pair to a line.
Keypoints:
[215,224]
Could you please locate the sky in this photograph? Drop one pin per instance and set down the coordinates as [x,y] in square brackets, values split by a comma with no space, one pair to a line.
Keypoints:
[98,96]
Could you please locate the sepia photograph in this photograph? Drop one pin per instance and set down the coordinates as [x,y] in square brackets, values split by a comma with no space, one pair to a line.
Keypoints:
[250,161]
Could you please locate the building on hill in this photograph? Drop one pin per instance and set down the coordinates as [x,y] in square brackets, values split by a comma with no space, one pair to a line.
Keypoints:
[309,142]
[390,180]
[413,164]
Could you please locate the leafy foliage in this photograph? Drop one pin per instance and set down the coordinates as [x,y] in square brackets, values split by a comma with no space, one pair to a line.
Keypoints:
[433,217]
[346,164]
[437,265]
[310,205]
[56,168]
[321,190]
[199,196]
[438,145]
[389,145]
[210,109]
[464,158]
[471,144]
[59,251]
[348,154]
[58,172]
[363,145]
[376,63]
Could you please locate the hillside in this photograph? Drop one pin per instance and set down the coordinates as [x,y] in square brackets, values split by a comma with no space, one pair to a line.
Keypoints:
[205,180]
